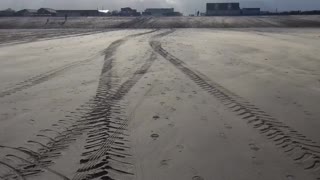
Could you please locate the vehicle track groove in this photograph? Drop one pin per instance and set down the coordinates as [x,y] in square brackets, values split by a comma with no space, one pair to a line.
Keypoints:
[106,155]
[302,150]
[48,36]
[80,121]
[33,81]
[16,171]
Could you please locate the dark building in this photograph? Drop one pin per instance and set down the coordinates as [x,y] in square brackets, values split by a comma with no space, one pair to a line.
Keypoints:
[27,12]
[146,14]
[76,13]
[129,12]
[223,9]
[173,14]
[47,12]
[250,11]
[158,11]
[7,12]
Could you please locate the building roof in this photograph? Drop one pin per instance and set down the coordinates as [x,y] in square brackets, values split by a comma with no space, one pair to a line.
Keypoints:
[251,9]
[48,10]
[29,10]
[8,10]
[104,11]
[159,10]
[126,9]
[77,11]
[223,6]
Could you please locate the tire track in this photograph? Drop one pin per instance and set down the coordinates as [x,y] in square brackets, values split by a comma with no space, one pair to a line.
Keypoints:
[106,155]
[33,81]
[109,52]
[17,173]
[135,23]
[54,141]
[304,151]
[44,37]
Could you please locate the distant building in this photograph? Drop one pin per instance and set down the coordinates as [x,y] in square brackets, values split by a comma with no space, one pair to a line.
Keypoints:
[159,11]
[223,9]
[146,14]
[105,12]
[47,12]
[250,11]
[76,13]
[27,12]
[7,12]
[129,12]
[173,14]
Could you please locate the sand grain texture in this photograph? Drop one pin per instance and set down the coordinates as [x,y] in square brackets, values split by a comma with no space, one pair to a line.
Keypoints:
[144,104]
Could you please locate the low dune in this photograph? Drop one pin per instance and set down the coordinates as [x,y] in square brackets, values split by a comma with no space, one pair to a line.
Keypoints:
[159,22]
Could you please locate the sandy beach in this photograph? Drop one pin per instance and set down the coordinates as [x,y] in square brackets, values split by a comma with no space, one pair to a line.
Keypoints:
[155,104]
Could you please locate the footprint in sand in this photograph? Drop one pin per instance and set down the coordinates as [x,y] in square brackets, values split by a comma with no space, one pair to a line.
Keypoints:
[197,178]
[31,121]
[171,125]
[156,117]
[165,162]
[180,147]
[290,177]
[173,109]
[204,118]
[154,136]
[227,126]
[254,147]
[222,135]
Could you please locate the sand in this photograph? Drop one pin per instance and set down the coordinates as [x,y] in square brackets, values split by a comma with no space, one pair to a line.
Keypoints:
[173,104]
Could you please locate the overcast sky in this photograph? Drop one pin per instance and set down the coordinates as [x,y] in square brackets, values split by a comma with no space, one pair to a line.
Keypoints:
[185,6]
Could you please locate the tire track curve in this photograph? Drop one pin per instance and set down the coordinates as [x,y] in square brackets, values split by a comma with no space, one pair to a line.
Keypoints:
[33,81]
[54,141]
[304,151]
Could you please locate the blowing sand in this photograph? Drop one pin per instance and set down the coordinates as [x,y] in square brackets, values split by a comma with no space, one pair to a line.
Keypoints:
[174,104]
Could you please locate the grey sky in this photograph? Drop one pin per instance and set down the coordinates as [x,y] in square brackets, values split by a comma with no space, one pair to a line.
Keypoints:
[185,6]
